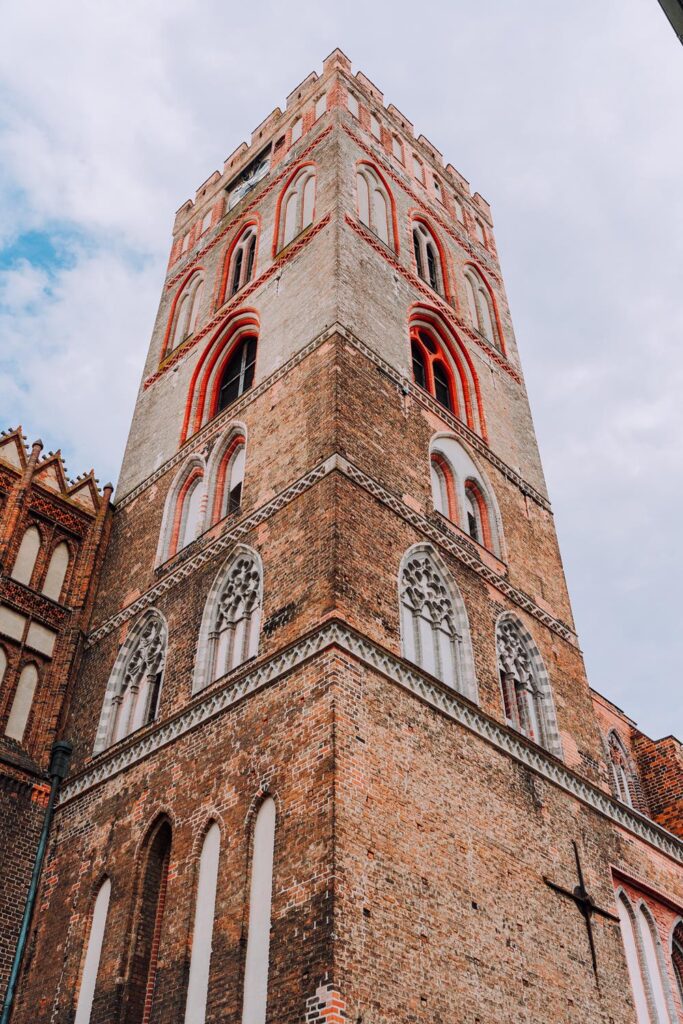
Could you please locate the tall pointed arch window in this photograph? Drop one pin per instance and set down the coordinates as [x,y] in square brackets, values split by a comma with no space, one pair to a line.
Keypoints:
[91,964]
[242,259]
[134,688]
[375,207]
[646,964]
[25,562]
[622,776]
[226,474]
[56,571]
[524,682]
[238,375]
[22,703]
[428,261]
[229,633]
[186,313]
[443,367]
[183,511]
[224,372]
[434,626]
[143,990]
[480,304]
[202,932]
[260,910]
[462,493]
[296,206]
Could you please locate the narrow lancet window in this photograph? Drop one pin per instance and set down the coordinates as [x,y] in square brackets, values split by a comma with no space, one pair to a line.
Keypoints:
[202,933]
[260,901]
[86,995]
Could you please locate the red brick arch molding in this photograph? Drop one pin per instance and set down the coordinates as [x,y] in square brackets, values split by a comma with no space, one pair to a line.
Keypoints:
[251,221]
[394,216]
[481,274]
[205,383]
[417,217]
[192,272]
[431,296]
[295,171]
[219,318]
[460,363]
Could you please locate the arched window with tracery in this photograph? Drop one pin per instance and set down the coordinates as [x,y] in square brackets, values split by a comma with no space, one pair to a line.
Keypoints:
[242,260]
[481,306]
[22,703]
[56,571]
[428,262]
[375,204]
[622,775]
[143,989]
[186,311]
[226,477]
[462,493]
[25,562]
[134,688]
[184,510]
[434,627]
[527,697]
[296,207]
[229,634]
[442,367]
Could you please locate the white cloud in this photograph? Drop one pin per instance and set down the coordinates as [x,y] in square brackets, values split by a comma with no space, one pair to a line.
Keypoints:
[565,118]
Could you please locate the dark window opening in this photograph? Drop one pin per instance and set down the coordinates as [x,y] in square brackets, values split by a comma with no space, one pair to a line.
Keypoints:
[442,391]
[237,272]
[419,369]
[235,498]
[431,266]
[418,253]
[472,527]
[238,375]
[154,699]
[251,249]
[428,342]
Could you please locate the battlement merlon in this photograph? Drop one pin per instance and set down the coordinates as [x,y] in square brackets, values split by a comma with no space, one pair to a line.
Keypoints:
[337,63]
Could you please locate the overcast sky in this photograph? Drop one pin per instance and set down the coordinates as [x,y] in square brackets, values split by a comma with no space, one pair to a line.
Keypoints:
[566,117]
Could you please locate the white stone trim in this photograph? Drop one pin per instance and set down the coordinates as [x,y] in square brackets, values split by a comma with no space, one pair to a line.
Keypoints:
[428,690]
[464,550]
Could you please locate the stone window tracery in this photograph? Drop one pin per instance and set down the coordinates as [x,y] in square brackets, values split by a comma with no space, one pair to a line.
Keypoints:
[134,688]
[434,627]
[229,634]
[526,692]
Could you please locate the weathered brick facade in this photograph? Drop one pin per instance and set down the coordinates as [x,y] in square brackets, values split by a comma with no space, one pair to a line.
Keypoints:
[417,819]
[45,604]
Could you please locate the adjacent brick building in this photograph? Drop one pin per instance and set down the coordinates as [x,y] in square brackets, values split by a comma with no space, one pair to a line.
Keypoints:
[332,732]
[52,534]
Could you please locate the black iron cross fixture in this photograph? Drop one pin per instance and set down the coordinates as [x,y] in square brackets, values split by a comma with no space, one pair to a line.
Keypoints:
[586,905]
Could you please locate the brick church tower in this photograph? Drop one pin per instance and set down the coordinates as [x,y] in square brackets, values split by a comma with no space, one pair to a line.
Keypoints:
[335,754]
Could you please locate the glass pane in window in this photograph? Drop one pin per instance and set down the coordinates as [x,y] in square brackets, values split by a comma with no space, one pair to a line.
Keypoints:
[419,371]
[442,391]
